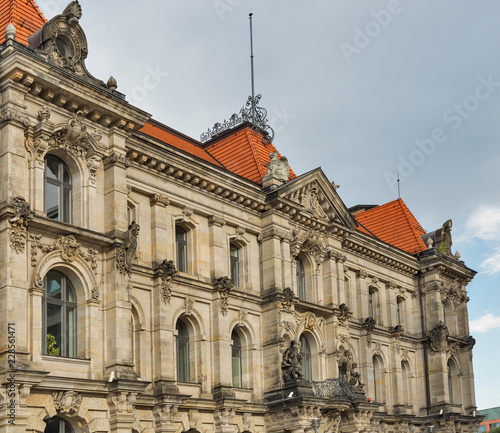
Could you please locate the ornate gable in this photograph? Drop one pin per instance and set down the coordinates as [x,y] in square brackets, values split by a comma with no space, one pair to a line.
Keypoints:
[317,199]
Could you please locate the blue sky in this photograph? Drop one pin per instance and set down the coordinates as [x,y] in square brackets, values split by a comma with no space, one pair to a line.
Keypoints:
[364,89]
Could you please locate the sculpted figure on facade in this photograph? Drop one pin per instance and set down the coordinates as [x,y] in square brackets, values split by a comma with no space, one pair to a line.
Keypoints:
[290,366]
[438,337]
[167,272]
[277,168]
[126,253]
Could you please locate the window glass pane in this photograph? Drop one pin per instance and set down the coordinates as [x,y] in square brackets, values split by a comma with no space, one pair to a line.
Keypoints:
[236,365]
[235,270]
[183,360]
[52,168]
[181,244]
[234,251]
[301,280]
[70,332]
[54,285]
[66,208]
[66,174]
[54,329]
[305,351]
[52,194]
[70,292]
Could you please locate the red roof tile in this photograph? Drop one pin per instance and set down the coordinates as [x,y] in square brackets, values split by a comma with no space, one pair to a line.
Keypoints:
[243,153]
[24,15]
[394,224]
[168,136]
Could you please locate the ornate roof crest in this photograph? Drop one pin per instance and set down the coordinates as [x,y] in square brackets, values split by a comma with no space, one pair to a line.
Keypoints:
[260,124]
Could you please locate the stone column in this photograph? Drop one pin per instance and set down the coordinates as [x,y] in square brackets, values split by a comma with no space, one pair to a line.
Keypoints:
[218,247]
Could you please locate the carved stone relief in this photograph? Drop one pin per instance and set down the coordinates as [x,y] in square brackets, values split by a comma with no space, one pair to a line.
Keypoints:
[311,198]
[438,338]
[223,285]
[126,253]
[67,401]
[19,224]
[167,272]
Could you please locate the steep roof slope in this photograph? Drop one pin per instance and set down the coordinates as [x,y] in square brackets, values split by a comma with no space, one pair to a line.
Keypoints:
[394,224]
[24,15]
[244,153]
[175,139]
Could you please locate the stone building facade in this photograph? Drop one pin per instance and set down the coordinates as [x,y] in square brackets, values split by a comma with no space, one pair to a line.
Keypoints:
[147,286]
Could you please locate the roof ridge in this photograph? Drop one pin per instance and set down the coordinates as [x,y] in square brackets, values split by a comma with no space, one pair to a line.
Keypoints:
[254,153]
[411,221]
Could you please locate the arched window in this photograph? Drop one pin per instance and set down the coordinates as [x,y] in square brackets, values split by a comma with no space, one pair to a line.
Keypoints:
[58,425]
[59,316]
[378,380]
[453,383]
[301,279]
[235,266]
[181,248]
[57,189]
[305,363]
[407,389]
[182,352]
[236,359]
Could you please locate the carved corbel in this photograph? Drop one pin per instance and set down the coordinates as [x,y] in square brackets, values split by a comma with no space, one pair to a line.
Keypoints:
[223,285]
[167,272]
[19,224]
[126,253]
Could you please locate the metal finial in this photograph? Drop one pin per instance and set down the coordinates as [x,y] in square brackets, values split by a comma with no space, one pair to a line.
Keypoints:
[251,62]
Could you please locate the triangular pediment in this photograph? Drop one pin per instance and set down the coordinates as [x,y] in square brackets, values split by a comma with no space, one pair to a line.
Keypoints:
[317,198]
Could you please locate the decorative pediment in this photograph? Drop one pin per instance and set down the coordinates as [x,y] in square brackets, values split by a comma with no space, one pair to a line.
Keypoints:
[317,201]
[62,40]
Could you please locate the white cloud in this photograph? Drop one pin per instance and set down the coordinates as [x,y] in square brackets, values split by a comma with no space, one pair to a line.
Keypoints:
[485,323]
[491,265]
[484,223]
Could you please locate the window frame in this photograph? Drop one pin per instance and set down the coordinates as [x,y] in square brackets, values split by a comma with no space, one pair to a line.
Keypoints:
[306,361]
[66,285]
[66,426]
[181,249]
[300,278]
[234,264]
[236,347]
[65,204]
[179,338]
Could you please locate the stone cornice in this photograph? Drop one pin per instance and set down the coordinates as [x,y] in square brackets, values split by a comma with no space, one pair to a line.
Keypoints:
[192,176]
[385,255]
[446,266]
[55,85]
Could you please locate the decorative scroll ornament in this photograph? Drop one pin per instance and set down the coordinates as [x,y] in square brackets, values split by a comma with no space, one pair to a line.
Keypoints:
[73,137]
[68,246]
[289,299]
[9,115]
[260,124]
[167,272]
[290,366]
[311,243]
[343,314]
[224,285]
[188,306]
[19,224]
[67,401]
[277,168]
[369,325]
[438,338]
[126,253]
[310,321]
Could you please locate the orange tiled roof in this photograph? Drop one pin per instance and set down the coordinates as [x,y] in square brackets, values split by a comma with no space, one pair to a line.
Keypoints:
[24,15]
[164,134]
[244,154]
[394,224]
